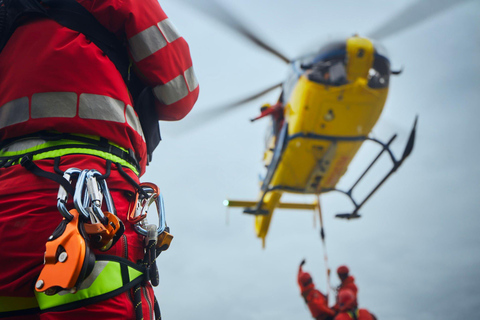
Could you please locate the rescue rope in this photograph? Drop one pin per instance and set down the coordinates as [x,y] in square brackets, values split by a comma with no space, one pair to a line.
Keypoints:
[324,245]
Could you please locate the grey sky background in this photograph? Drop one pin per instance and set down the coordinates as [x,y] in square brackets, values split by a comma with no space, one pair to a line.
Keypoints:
[414,252]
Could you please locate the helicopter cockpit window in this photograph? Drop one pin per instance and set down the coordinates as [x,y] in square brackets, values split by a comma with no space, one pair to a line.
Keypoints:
[379,74]
[329,72]
[328,66]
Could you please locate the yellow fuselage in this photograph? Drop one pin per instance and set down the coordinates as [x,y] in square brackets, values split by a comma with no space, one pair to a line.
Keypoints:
[326,127]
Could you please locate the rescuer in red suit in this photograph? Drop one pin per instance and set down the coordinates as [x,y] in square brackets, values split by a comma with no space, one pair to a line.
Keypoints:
[348,309]
[317,302]
[57,88]
[347,281]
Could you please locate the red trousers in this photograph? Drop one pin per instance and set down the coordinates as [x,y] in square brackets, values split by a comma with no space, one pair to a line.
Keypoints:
[28,216]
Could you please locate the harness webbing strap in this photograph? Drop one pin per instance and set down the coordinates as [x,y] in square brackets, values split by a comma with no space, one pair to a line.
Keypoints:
[10,306]
[110,277]
[354,314]
[55,149]
[28,164]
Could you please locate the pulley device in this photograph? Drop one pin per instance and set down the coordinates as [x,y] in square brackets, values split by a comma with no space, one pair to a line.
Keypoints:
[68,256]
[69,259]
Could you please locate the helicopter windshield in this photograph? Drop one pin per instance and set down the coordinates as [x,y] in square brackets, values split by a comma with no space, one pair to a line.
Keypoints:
[328,66]
[379,74]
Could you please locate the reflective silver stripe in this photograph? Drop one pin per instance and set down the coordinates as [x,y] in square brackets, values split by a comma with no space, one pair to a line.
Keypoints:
[146,43]
[191,78]
[97,270]
[54,104]
[13,112]
[168,29]
[172,91]
[94,106]
[133,121]
[23,145]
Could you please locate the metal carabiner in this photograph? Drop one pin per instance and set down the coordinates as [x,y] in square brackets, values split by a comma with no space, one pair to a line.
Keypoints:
[157,197]
[106,193]
[96,191]
[62,196]
[77,196]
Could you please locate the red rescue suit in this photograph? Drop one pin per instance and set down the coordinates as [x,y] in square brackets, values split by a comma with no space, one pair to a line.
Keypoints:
[53,78]
[349,283]
[358,314]
[315,300]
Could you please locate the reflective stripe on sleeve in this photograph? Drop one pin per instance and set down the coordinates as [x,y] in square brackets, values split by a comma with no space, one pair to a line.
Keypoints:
[191,78]
[54,104]
[168,29]
[176,89]
[152,39]
[146,43]
[13,112]
[94,106]
[171,91]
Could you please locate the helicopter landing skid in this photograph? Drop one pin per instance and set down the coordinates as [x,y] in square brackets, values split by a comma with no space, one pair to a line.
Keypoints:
[347,216]
[255,211]
[395,165]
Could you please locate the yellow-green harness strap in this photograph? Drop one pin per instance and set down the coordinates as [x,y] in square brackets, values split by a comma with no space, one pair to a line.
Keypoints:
[11,306]
[87,145]
[110,277]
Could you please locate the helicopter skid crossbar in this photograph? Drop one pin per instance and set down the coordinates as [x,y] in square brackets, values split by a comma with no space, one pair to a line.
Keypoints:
[396,164]
[250,206]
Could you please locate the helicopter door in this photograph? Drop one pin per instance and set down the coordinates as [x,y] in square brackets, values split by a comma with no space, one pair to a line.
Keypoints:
[277,155]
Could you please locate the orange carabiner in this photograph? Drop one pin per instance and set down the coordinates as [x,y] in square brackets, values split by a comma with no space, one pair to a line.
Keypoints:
[136,210]
[102,236]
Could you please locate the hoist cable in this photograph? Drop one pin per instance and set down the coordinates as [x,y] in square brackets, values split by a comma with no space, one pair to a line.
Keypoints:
[324,245]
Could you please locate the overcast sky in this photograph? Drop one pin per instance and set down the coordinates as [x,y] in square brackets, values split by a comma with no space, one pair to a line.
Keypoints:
[414,252]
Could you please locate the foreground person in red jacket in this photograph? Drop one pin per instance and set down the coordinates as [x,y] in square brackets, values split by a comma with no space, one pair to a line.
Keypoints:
[64,103]
[347,304]
[317,302]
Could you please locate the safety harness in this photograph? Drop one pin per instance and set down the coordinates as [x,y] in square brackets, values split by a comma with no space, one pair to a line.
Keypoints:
[73,276]
[72,15]
[353,314]
[83,277]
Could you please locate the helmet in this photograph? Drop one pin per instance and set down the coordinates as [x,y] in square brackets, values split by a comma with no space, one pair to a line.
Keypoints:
[342,270]
[346,300]
[304,278]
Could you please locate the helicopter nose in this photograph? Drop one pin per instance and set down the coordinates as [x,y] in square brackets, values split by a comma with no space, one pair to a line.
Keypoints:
[360,56]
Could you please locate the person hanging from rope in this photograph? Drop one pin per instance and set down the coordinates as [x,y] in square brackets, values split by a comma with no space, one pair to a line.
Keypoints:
[348,307]
[83,84]
[347,282]
[316,301]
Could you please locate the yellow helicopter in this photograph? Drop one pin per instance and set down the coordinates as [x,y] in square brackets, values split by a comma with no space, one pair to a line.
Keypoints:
[326,110]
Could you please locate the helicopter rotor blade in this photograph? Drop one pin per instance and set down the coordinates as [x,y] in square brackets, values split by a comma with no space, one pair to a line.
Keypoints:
[213,113]
[418,12]
[216,11]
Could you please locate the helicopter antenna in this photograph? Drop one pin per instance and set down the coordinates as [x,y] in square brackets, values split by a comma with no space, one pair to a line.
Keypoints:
[213,9]
[416,13]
